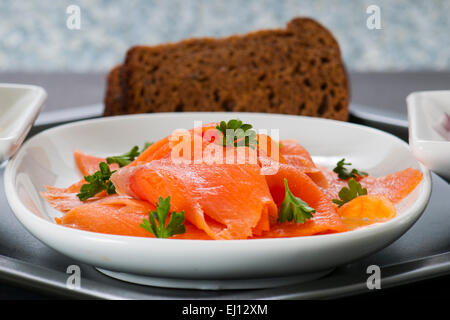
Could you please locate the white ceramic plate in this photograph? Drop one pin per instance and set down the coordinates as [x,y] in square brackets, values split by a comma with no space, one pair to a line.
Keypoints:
[19,107]
[426,112]
[47,159]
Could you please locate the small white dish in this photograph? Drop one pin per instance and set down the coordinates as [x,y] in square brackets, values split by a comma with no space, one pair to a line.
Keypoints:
[426,111]
[19,107]
[47,159]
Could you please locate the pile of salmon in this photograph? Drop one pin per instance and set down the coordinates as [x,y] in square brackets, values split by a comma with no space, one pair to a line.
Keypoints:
[228,200]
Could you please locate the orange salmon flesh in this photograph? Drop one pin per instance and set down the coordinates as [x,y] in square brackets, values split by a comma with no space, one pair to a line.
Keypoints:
[226,201]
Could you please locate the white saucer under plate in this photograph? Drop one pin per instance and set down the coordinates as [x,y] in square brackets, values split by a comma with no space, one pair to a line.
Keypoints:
[47,159]
[220,284]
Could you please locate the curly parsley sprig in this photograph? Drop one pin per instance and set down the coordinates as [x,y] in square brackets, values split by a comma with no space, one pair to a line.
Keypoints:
[344,173]
[156,222]
[293,208]
[97,182]
[126,158]
[347,194]
[236,133]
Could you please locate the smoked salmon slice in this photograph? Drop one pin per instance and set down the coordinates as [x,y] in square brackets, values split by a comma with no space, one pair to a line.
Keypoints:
[296,155]
[366,210]
[227,201]
[226,192]
[394,186]
[65,199]
[324,220]
[88,164]
[162,149]
[118,215]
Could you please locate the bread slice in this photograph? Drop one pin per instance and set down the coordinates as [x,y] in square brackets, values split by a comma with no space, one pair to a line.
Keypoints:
[297,70]
[114,98]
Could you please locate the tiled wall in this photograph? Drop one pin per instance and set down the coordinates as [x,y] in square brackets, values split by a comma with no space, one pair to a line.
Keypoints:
[414,34]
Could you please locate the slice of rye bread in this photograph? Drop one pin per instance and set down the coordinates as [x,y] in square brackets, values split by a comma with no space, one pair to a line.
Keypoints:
[297,70]
[114,97]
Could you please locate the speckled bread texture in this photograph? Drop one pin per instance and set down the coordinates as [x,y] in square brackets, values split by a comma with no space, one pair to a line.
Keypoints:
[297,70]
[114,98]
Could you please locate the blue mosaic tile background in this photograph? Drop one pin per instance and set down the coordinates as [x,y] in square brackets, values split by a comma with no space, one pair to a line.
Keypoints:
[415,34]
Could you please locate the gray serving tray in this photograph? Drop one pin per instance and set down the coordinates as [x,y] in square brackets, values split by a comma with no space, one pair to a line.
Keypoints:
[422,253]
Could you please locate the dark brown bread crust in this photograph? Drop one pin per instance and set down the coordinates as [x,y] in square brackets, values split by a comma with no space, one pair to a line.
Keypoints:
[114,98]
[297,70]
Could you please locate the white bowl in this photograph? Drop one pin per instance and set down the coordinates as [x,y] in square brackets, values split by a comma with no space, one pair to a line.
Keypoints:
[47,159]
[19,107]
[425,112]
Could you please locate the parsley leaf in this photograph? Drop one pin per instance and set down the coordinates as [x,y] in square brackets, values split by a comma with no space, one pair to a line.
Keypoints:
[344,173]
[293,208]
[347,194]
[97,182]
[236,133]
[126,158]
[156,222]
